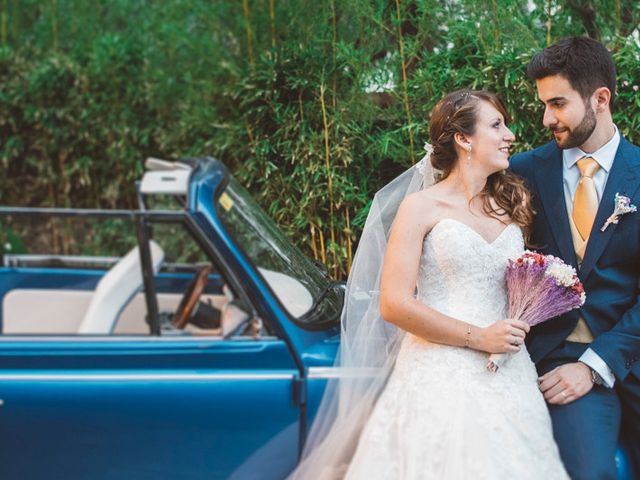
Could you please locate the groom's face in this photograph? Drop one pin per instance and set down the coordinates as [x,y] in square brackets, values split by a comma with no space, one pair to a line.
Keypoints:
[570,118]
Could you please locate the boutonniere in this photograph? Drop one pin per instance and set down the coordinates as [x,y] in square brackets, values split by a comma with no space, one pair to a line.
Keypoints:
[622,205]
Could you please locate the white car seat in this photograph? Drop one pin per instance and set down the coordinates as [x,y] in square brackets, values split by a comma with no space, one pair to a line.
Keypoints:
[231,317]
[115,289]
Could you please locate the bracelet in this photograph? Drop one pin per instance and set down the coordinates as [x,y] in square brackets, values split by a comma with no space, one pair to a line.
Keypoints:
[468,337]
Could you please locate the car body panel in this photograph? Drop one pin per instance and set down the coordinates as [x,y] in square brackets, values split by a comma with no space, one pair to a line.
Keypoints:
[138,408]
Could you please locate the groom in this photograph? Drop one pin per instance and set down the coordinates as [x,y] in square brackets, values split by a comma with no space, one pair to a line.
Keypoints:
[587,358]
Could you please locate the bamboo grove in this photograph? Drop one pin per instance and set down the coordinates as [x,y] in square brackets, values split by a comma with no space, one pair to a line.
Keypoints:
[312,104]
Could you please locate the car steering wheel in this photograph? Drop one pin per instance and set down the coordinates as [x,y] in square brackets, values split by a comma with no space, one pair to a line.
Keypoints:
[191,297]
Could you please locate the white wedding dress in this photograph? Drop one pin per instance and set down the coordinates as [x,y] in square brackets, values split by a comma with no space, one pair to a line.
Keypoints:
[442,415]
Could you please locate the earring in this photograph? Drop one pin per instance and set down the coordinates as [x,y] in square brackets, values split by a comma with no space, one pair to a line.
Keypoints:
[469,156]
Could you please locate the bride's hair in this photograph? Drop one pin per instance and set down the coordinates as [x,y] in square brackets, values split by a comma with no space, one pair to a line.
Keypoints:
[458,112]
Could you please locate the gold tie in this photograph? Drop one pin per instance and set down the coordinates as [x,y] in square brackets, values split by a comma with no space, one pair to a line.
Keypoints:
[585,201]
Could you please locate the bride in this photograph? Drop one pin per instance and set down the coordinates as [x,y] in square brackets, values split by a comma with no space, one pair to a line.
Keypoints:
[413,399]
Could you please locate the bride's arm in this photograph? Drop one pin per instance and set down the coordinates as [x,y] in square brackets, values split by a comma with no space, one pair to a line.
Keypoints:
[399,306]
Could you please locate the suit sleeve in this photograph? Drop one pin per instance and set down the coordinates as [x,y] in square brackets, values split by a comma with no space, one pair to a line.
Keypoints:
[519,164]
[619,348]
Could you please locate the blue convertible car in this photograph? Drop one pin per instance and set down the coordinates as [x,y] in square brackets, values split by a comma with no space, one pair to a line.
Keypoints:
[187,339]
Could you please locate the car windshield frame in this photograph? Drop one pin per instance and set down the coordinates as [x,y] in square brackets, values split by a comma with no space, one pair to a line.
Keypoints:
[276,256]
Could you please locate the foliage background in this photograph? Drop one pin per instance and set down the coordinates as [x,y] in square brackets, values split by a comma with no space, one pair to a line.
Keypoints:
[312,104]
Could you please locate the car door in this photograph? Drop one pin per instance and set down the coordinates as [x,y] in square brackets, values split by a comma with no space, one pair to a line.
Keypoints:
[145,408]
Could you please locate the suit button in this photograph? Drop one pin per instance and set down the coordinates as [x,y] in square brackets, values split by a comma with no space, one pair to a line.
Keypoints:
[627,365]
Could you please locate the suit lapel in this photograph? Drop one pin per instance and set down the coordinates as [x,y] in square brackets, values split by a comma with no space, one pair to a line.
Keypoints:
[623,179]
[548,172]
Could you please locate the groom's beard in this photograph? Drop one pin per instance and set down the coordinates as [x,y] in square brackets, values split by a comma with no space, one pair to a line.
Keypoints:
[582,132]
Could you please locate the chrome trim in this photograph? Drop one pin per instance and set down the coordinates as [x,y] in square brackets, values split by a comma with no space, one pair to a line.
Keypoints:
[339,372]
[24,260]
[13,338]
[22,377]
[323,372]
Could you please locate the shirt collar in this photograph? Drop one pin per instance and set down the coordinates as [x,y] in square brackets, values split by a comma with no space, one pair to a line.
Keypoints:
[604,155]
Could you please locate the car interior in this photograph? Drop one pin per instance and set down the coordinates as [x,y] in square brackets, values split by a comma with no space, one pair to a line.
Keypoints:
[74,294]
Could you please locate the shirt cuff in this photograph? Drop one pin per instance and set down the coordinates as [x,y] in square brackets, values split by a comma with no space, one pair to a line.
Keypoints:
[593,360]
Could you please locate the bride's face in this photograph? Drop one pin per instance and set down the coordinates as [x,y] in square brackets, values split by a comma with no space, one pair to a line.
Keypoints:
[491,141]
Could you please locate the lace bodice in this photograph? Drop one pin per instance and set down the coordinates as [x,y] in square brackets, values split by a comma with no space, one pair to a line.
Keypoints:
[462,275]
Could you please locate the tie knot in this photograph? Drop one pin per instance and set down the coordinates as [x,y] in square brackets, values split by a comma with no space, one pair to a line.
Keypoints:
[588,166]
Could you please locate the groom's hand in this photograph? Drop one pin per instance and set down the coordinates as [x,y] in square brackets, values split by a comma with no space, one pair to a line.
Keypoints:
[566,383]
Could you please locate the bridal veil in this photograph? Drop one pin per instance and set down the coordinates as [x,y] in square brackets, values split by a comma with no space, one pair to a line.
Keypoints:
[368,345]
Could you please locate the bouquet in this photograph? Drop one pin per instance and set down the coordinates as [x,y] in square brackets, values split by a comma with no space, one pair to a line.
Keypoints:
[539,287]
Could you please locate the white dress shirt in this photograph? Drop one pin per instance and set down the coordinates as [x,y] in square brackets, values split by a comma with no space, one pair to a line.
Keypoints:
[571,177]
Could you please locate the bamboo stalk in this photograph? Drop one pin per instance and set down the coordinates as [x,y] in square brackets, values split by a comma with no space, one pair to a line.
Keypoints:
[312,228]
[334,40]
[3,26]
[67,237]
[52,221]
[323,252]
[334,30]
[349,244]
[250,134]
[272,16]
[329,176]
[300,105]
[404,81]
[54,25]
[66,187]
[15,17]
[548,22]
[247,19]
[496,23]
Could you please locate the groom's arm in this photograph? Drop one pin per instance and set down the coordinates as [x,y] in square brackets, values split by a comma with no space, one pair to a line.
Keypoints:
[520,164]
[619,348]
[612,355]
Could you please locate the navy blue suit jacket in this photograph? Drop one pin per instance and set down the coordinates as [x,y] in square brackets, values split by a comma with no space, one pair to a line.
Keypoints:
[610,269]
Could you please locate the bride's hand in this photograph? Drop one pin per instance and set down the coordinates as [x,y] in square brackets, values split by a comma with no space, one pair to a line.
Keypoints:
[503,336]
